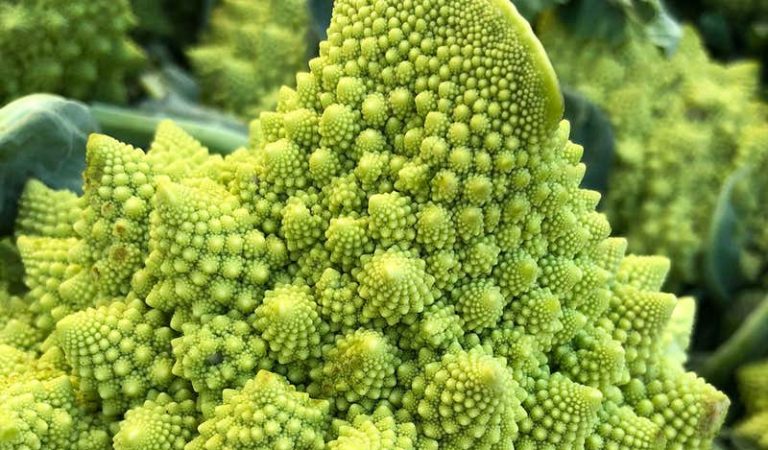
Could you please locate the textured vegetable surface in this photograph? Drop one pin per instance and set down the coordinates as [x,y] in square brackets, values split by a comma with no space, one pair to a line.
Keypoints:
[693,122]
[78,48]
[401,259]
[251,49]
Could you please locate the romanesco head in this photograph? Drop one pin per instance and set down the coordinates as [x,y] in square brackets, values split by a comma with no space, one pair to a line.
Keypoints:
[251,49]
[685,132]
[402,259]
[79,49]
[41,407]
[753,386]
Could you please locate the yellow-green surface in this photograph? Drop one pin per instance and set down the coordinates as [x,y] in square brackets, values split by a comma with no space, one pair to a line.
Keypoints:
[252,47]
[78,48]
[402,258]
[682,125]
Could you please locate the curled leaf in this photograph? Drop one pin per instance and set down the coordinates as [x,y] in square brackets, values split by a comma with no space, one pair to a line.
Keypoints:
[41,136]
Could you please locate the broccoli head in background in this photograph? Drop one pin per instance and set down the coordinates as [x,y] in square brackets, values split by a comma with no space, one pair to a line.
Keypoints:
[78,49]
[753,385]
[681,126]
[252,47]
[731,29]
[402,259]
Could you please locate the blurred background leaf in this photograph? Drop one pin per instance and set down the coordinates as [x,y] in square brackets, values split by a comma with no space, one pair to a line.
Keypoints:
[591,129]
[725,243]
[11,268]
[41,136]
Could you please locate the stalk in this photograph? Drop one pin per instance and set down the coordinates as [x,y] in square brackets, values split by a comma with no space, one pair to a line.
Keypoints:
[138,127]
[746,344]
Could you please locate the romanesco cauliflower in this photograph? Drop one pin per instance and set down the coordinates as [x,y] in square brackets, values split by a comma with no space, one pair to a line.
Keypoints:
[681,126]
[402,259]
[753,385]
[78,49]
[251,49]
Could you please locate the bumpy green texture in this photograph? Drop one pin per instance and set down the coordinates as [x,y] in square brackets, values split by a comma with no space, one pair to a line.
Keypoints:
[252,47]
[161,423]
[402,259]
[15,322]
[267,413]
[40,408]
[681,126]
[753,386]
[78,49]
[46,268]
[46,212]
[119,352]
[677,336]
[380,430]
[77,251]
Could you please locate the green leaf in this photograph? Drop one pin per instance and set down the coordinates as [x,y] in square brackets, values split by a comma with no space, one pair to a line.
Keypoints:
[41,136]
[717,32]
[320,12]
[591,129]
[726,242]
[610,20]
[663,30]
[601,19]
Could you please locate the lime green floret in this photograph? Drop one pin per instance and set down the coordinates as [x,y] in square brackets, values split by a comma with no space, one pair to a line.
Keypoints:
[161,423]
[380,430]
[753,386]
[252,48]
[119,352]
[267,413]
[690,125]
[40,407]
[78,49]
[401,259]
[46,212]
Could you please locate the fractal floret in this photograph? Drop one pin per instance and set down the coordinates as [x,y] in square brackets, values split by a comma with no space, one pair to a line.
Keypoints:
[401,259]
[79,49]
[753,386]
[251,49]
[691,124]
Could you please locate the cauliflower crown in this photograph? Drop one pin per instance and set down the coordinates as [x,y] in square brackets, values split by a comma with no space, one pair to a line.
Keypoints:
[403,259]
